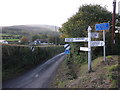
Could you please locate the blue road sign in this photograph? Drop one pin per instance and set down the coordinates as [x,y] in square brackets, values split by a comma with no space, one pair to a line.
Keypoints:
[102,26]
[67,51]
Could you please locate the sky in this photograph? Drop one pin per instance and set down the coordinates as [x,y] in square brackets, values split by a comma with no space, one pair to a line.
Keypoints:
[48,12]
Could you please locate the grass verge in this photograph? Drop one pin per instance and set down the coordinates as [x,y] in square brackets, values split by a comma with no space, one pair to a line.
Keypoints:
[105,75]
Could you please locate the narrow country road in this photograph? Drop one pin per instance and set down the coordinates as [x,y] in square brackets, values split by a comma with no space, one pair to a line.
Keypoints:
[40,77]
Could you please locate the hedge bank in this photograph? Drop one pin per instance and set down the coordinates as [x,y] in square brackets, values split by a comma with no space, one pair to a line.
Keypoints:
[19,58]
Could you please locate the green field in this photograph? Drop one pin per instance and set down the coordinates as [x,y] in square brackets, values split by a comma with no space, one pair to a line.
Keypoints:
[11,39]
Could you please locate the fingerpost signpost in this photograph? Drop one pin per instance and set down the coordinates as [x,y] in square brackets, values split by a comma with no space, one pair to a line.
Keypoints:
[99,27]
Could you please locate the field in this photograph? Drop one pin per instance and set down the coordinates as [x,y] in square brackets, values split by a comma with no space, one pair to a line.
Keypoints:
[10,37]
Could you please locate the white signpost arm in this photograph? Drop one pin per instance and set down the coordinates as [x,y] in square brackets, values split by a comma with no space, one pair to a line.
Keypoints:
[104,45]
[89,49]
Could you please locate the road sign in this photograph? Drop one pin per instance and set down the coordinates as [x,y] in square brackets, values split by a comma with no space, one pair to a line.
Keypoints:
[67,46]
[68,39]
[67,51]
[95,35]
[76,39]
[84,48]
[32,48]
[97,43]
[102,26]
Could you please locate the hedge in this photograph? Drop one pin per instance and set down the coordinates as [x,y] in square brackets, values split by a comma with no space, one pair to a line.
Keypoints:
[16,58]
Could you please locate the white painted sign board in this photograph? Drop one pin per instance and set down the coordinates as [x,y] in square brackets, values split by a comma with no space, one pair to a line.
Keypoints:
[97,43]
[76,39]
[95,35]
[84,48]
[68,39]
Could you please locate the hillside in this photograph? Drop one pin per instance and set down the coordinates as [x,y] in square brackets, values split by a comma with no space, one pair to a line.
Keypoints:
[104,75]
[15,33]
[24,29]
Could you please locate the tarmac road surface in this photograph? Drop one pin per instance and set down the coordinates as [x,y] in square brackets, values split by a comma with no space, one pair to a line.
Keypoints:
[39,77]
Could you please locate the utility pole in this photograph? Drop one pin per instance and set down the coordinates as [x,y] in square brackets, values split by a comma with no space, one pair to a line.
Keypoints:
[113,21]
[113,24]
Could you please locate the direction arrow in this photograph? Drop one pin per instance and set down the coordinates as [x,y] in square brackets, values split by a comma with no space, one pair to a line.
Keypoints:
[76,39]
[97,43]
[84,49]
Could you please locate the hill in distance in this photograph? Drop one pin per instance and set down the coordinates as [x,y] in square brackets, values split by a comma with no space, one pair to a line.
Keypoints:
[39,28]
[30,30]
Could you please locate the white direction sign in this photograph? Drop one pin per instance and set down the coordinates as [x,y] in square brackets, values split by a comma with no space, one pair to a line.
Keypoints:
[76,39]
[95,35]
[97,43]
[84,49]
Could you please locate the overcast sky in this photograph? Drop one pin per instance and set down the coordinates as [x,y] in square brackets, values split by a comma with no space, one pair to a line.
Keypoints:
[50,12]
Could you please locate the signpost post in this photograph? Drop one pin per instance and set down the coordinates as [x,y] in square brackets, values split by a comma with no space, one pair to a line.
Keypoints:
[89,49]
[104,46]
